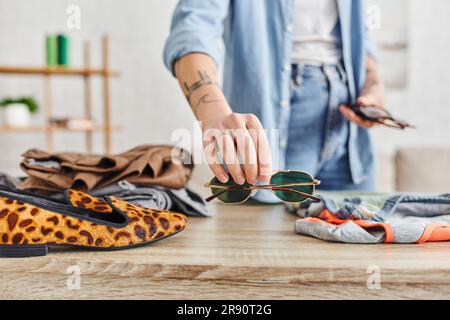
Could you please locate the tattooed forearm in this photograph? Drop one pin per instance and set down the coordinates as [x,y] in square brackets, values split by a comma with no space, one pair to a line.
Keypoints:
[204,80]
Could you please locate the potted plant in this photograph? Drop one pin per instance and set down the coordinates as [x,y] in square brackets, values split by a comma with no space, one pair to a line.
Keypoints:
[17,113]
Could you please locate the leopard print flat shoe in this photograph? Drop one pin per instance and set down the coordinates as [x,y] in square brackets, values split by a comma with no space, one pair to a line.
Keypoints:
[29,224]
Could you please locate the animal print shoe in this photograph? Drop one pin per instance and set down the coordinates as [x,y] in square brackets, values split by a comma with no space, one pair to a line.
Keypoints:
[29,224]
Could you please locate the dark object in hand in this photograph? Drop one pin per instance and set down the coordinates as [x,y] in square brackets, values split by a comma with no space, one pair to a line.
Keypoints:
[379,115]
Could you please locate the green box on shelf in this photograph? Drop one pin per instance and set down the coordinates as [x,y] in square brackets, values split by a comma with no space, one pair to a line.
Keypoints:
[63,50]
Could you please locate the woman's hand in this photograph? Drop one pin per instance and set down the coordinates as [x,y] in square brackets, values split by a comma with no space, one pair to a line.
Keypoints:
[371,94]
[237,139]
[241,142]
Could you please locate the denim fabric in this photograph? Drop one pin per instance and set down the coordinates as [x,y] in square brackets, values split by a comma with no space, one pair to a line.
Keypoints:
[407,215]
[258,43]
[375,206]
[317,134]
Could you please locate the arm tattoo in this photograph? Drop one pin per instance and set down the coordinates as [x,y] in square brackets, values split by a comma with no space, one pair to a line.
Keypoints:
[205,80]
[203,100]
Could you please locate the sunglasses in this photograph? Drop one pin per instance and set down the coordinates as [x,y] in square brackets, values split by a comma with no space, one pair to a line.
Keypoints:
[288,186]
[379,115]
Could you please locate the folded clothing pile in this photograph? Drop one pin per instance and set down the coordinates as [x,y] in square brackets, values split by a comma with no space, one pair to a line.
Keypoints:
[146,164]
[152,176]
[376,218]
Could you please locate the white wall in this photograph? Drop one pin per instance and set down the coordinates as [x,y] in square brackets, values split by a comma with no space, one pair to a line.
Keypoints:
[425,99]
[146,100]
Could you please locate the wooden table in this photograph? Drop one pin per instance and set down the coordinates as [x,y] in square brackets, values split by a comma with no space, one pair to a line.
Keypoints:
[246,252]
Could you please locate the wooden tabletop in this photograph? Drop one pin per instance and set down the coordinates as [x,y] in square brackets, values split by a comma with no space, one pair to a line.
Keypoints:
[246,252]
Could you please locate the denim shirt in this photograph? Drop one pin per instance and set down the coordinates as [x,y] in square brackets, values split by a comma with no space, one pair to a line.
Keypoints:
[258,43]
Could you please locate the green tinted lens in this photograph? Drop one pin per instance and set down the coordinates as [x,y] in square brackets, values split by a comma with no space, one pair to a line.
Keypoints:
[291,177]
[231,196]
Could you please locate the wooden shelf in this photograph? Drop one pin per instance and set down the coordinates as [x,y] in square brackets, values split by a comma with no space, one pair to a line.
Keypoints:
[57,71]
[86,73]
[32,129]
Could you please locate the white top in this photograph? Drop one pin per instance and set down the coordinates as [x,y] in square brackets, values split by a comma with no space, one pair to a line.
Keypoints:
[315,32]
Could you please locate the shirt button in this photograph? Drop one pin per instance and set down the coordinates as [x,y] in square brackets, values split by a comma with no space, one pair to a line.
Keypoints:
[290,28]
[283,144]
[284,104]
[287,67]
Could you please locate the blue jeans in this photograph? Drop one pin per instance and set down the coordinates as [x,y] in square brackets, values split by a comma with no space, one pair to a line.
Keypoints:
[317,133]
